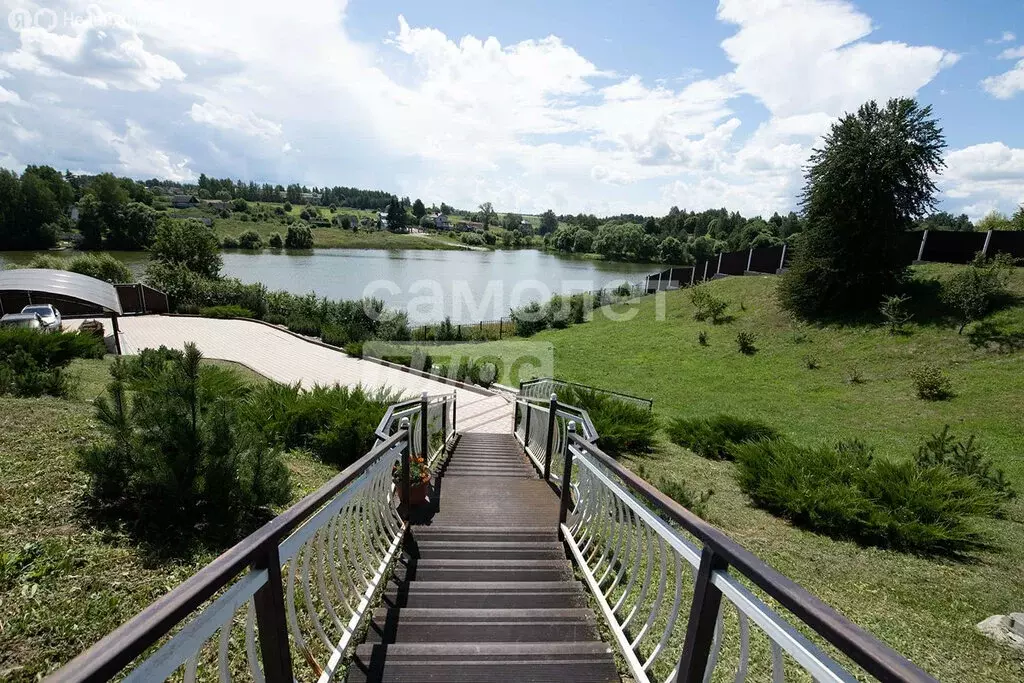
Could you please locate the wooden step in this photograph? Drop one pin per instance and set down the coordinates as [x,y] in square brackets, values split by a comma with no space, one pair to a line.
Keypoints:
[411,625]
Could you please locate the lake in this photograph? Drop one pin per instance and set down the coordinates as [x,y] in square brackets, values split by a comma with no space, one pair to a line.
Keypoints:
[466,285]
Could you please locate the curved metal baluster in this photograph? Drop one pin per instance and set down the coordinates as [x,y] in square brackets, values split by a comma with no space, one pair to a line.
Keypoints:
[586,517]
[352,547]
[744,663]
[222,651]
[594,523]
[321,576]
[360,547]
[307,550]
[778,665]
[673,615]
[336,557]
[250,643]
[643,588]
[628,525]
[656,607]
[190,668]
[603,531]
[293,619]
[716,646]
[639,535]
[618,531]
[344,551]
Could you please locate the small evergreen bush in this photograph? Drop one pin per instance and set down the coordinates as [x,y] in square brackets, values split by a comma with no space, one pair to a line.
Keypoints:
[702,338]
[299,237]
[931,383]
[229,242]
[965,458]
[622,427]
[717,437]
[707,306]
[811,362]
[303,325]
[745,342]
[275,241]
[529,319]
[226,312]
[335,335]
[844,491]
[894,311]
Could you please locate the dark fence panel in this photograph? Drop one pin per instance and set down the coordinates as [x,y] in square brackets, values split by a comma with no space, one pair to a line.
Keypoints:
[1007,242]
[766,260]
[705,270]
[952,247]
[153,300]
[130,298]
[680,277]
[734,262]
[910,245]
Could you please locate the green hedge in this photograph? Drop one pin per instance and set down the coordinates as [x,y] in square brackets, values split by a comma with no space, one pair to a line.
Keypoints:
[717,437]
[226,312]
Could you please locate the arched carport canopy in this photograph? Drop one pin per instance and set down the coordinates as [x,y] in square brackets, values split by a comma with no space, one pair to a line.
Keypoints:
[71,293]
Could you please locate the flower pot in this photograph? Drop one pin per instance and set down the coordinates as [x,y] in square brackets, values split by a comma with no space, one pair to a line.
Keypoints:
[417,494]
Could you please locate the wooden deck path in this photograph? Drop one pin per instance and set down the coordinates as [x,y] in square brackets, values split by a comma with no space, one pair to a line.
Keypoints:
[283,357]
[483,590]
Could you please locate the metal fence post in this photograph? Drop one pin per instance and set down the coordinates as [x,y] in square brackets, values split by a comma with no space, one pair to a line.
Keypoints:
[566,493]
[406,467]
[988,238]
[455,405]
[444,422]
[782,259]
[270,619]
[552,409]
[920,251]
[700,630]
[526,432]
[719,268]
[424,431]
[750,258]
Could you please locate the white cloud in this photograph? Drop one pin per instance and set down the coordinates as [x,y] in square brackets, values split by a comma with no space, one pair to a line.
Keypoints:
[1006,37]
[111,55]
[1012,53]
[247,123]
[984,177]
[1006,85]
[290,96]
[804,56]
[9,96]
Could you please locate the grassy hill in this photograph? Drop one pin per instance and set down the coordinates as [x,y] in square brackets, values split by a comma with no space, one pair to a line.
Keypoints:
[64,584]
[924,607]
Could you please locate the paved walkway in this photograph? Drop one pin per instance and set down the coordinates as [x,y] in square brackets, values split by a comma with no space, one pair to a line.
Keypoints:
[283,357]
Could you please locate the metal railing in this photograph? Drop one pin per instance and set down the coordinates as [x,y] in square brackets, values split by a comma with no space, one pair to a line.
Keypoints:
[285,603]
[677,593]
[542,387]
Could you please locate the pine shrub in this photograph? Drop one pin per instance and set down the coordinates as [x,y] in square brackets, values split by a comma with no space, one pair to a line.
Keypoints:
[717,437]
[623,427]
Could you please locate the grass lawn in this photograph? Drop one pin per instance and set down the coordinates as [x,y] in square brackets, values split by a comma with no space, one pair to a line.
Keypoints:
[924,607]
[82,581]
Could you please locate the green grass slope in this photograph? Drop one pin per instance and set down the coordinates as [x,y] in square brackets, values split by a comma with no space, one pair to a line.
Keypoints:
[63,583]
[923,607]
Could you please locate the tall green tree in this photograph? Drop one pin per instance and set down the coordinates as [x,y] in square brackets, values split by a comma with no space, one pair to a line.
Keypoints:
[418,209]
[486,214]
[188,243]
[866,186]
[396,216]
[548,222]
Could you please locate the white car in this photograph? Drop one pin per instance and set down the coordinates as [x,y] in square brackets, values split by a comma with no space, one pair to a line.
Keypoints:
[49,316]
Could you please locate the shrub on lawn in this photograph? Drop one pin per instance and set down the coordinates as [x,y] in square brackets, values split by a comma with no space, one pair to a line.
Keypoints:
[178,453]
[745,343]
[50,350]
[707,306]
[229,242]
[336,423]
[335,335]
[679,491]
[844,491]
[22,376]
[529,319]
[811,362]
[894,311]
[226,312]
[972,291]
[250,239]
[303,325]
[622,427]
[275,241]
[299,237]
[717,437]
[100,266]
[931,383]
[702,338]
[965,458]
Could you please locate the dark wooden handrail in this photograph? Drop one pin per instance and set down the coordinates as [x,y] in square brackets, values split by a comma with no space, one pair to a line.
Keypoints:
[110,655]
[873,655]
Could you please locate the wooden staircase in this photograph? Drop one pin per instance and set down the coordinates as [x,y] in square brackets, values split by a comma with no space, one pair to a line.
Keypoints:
[483,590]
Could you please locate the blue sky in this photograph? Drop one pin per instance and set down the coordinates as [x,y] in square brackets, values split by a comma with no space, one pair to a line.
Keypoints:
[578,106]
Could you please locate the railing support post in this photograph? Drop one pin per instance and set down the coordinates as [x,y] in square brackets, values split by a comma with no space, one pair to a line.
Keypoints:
[566,493]
[455,406]
[270,619]
[424,430]
[526,432]
[406,467]
[552,409]
[700,632]
[444,423]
